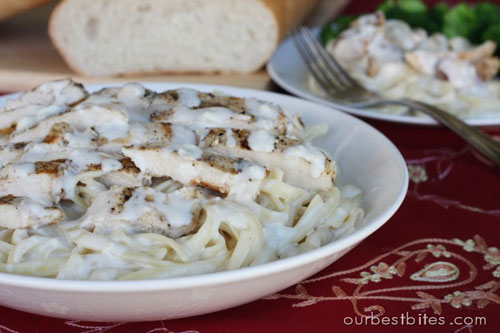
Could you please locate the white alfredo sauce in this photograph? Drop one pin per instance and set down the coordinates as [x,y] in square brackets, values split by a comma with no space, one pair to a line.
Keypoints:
[261,140]
[312,155]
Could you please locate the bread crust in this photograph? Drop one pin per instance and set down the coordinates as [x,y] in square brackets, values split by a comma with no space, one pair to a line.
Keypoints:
[13,7]
[55,42]
[286,13]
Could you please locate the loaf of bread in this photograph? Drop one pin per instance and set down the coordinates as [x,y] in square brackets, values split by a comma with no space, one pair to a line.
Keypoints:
[10,8]
[117,37]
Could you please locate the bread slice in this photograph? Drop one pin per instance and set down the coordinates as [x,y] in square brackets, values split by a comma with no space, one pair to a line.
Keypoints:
[10,8]
[114,37]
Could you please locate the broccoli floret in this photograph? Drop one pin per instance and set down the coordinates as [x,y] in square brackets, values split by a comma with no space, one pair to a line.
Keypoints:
[493,34]
[436,16]
[387,5]
[460,20]
[413,12]
[487,15]
[333,29]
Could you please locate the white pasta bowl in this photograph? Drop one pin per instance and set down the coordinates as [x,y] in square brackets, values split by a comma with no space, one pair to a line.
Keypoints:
[366,159]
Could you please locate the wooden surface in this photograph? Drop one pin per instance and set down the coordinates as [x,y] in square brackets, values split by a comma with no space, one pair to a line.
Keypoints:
[27,57]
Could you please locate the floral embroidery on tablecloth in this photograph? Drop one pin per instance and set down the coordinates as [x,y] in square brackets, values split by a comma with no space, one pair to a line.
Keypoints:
[441,271]
[434,166]
[448,286]
[105,327]
[417,173]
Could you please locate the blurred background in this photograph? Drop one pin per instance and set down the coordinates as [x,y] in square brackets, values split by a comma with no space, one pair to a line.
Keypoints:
[28,57]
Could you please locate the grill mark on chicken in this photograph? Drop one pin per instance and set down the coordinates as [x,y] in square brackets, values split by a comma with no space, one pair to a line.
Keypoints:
[218,189]
[222,163]
[235,104]
[7,199]
[49,167]
[57,132]
[20,145]
[129,166]
[169,96]
[8,130]
[216,142]
[123,197]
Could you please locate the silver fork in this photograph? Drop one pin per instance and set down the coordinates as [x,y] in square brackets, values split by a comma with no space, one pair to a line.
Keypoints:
[345,90]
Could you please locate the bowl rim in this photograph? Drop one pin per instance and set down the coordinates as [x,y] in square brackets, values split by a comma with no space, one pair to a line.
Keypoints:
[238,275]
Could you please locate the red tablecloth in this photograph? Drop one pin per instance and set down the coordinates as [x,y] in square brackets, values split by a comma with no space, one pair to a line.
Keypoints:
[436,258]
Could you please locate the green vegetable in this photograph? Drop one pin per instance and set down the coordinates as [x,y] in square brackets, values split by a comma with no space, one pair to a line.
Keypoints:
[413,12]
[460,20]
[387,5]
[436,18]
[488,16]
[333,29]
[492,33]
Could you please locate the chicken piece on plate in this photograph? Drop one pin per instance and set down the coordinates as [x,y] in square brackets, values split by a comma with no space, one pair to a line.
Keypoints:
[485,50]
[145,210]
[303,165]
[38,181]
[58,144]
[188,165]
[461,74]
[11,153]
[487,68]
[54,180]
[48,99]
[155,134]
[128,175]
[207,110]
[110,122]
[23,213]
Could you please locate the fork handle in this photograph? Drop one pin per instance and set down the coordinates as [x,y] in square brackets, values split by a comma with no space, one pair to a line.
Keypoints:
[472,135]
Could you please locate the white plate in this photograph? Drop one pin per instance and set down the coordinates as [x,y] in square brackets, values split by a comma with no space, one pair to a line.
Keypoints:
[289,71]
[366,159]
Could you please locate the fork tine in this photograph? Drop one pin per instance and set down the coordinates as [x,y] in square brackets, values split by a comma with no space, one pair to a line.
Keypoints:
[331,62]
[327,67]
[316,66]
[312,64]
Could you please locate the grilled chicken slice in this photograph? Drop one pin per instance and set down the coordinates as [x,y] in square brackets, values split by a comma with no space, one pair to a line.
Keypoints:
[206,110]
[59,142]
[110,122]
[62,134]
[187,165]
[38,181]
[54,180]
[145,210]
[23,213]
[423,61]
[303,165]
[11,153]
[47,99]
[128,175]
[133,96]
[156,134]
[461,74]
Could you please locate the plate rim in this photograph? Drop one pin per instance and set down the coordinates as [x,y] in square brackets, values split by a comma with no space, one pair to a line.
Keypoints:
[241,274]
